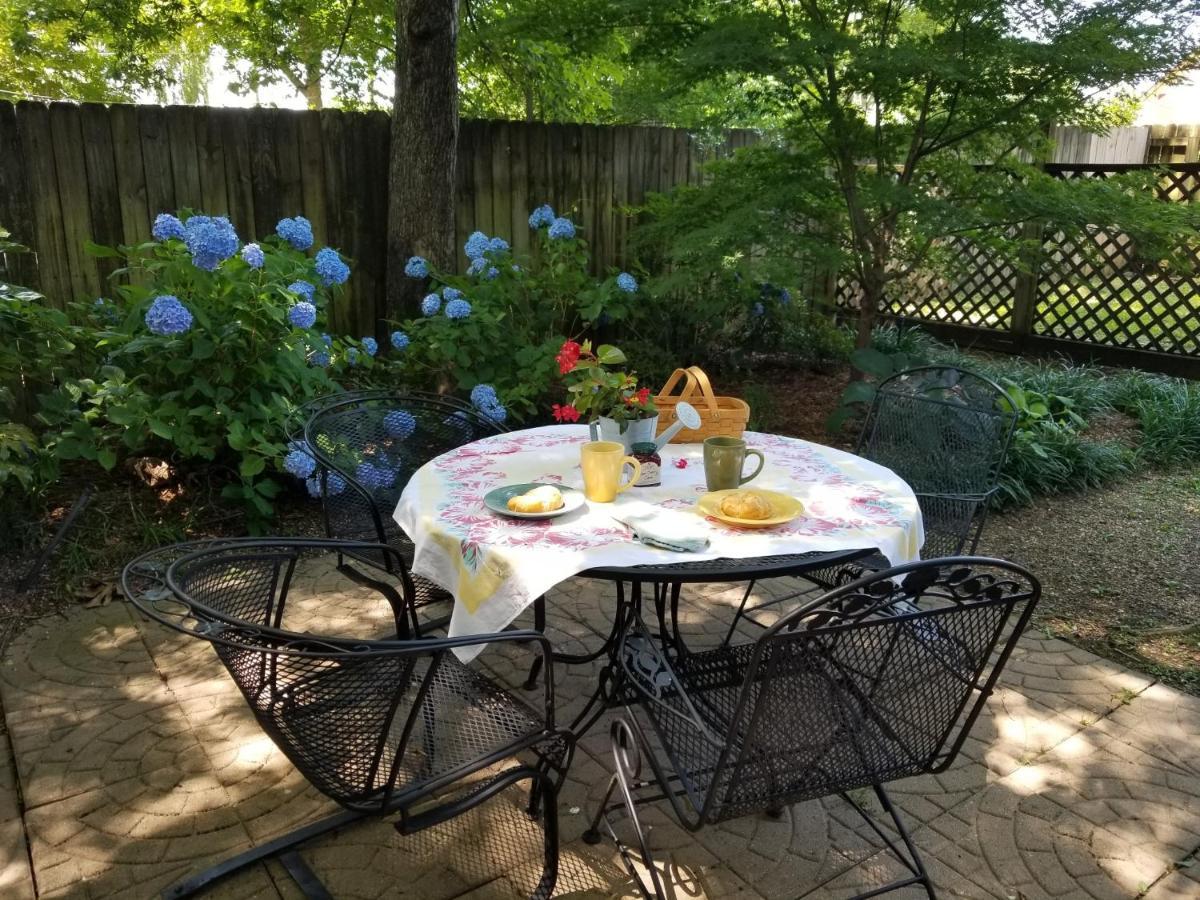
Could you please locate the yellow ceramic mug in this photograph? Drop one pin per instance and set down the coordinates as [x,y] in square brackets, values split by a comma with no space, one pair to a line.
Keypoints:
[602,462]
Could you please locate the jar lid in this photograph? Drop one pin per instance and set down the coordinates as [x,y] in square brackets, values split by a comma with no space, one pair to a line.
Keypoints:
[646,447]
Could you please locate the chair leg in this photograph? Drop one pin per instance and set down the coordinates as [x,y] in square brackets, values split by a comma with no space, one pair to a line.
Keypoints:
[539,624]
[627,763]
[737,616]
[911,861]
[189,887]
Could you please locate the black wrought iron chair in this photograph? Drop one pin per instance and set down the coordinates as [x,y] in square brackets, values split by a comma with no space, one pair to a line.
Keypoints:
[367,445]
[392,726]
[946,432]
[877,680]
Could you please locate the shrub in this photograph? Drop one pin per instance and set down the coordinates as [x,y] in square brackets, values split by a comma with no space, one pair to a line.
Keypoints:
[502,322]
[204,356]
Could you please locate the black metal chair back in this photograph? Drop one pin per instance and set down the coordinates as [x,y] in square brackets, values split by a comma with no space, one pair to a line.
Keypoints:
[369,444]
[356,716]
[877,680]
[944,431]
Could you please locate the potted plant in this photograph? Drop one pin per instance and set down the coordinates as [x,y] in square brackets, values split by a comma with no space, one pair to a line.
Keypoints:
[605,396]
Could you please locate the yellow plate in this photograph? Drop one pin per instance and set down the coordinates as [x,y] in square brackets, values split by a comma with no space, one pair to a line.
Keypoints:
[783,507]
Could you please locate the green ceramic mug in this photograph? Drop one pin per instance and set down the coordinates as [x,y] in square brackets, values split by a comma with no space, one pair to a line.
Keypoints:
[724,459]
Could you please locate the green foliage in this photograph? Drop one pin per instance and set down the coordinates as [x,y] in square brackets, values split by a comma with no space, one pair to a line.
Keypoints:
[902,128]
[1168,410]
[598,388]
[1046,457]
[219,392]
[35,340]
[519,318]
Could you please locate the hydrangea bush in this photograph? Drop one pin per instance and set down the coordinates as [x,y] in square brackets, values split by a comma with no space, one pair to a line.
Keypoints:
[500,324]
[204,355]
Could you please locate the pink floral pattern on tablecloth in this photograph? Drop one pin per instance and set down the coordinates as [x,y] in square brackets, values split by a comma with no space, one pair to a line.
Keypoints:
[849,503]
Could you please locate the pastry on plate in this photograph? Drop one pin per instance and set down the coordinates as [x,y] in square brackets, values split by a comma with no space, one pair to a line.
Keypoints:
[745,505]
[544,498]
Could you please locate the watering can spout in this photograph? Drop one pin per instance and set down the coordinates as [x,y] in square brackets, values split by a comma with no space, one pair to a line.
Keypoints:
[685,417]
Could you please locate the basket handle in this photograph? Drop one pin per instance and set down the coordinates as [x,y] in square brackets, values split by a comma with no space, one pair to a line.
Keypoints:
[699,378]
[688,388]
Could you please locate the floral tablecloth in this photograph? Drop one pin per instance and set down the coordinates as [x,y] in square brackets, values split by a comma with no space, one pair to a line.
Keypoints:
[496,566]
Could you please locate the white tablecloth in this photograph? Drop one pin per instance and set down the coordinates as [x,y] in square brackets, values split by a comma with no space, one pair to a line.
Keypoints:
[496,566]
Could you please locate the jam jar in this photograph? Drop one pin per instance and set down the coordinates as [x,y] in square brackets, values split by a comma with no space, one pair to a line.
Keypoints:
[647,455]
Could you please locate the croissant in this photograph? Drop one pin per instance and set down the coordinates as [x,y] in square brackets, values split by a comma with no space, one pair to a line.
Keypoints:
[745,505]
[545,498]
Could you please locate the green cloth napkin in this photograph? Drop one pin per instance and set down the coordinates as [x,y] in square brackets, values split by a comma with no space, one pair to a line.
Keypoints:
[665,528]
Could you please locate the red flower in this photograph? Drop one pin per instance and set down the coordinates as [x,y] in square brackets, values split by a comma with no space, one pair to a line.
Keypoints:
[643,396]
[681,463]
[567,356]
[565,413]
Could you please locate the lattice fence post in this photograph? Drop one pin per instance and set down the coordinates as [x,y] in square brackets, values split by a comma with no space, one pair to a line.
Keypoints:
[1025,290]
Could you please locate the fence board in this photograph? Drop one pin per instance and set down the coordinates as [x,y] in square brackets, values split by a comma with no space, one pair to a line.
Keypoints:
[67,135]
[54,276]
[16,212]
[131,176]
[104,202]
[185,168]
[239,185]
[264,171]
[156,160]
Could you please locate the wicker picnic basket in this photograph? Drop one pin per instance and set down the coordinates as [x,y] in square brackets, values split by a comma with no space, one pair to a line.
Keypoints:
[719,416]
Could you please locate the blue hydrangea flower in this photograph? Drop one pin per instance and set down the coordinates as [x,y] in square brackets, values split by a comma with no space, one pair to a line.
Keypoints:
[495,411]
[374,477]
[167,226]
[253,256]
[758,309]
[483,395]
[561,229]
[785,296]
[302,314]
[476,244]
[320,358]
[327,339]
[352,356]
[458,309]
[334,484]
[627,283]
[543,215]
[314,487]
[297,232]
[491,273]
[476,266]
[430,305]
[330,267]
[210,240]
[299,463]
[399,340]
[302,289]
[416,267]
[370,345]
[399,423]
[516,268]
[450,293]
[167,316]
[497,245]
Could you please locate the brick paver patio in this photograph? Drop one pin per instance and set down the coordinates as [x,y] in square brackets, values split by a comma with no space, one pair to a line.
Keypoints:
[131,760]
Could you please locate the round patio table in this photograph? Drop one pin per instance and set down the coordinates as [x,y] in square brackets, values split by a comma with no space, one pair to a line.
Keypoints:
[495,566]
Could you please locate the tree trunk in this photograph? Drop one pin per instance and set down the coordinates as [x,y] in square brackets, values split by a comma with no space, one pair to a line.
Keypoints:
[424,143]
[312,87]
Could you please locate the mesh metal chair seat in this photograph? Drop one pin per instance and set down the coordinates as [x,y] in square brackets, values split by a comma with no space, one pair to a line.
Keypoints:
[878,680]
[393,726]
[946,432]
[367,445]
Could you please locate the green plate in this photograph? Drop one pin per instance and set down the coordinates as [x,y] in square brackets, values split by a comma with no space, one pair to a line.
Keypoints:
[497,500]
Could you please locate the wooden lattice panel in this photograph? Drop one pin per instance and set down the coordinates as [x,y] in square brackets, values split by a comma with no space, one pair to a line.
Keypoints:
[1096,288]
[978,292]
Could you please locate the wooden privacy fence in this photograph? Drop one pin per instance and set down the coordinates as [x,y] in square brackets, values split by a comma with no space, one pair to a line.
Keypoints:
[71,173]
[1101,301]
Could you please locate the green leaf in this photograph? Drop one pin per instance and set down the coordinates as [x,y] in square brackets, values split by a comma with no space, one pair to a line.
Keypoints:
[252,465]
[858,392]
[161,428]
[610,355]
[874,363]
[100,251]
[106,458]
